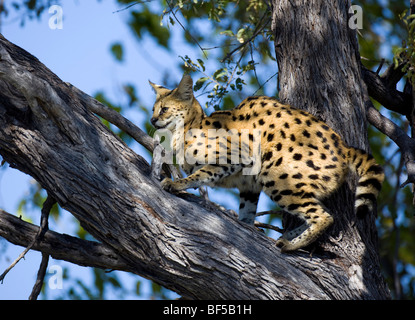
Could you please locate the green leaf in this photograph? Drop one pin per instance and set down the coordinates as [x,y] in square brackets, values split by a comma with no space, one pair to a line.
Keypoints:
[146,21]
[137,288]
[199,83]
[220,73]
[31,4]
[118,51]
[131,93]
[201,64]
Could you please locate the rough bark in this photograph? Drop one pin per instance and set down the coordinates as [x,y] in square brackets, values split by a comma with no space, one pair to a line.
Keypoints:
[48,131]
[320,71]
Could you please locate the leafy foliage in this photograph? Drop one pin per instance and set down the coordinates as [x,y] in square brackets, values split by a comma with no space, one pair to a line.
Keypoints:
[406,53]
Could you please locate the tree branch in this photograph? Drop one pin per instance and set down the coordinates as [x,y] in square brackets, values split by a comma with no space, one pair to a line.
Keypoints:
[383,89]
[60,246]
[402,140]
[115,118]
[44,226]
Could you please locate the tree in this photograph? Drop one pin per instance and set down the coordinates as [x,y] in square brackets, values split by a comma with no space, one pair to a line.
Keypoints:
[48,130]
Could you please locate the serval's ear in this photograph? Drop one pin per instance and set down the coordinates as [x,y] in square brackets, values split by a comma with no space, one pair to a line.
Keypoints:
[184,90]
[159,90]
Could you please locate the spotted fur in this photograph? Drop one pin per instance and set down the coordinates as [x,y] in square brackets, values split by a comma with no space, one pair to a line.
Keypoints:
[302,160]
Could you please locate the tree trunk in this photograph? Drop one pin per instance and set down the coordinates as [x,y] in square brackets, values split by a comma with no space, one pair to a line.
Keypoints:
[319,71]
[184,243]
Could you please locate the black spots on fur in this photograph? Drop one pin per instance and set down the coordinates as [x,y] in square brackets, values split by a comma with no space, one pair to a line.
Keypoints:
[267,156]
[278,162]
[297,156]
[308,204]
[269,184]
[261,122]
[270,137]
[283,135]
[371,182]
[276,198]
[367,196]
[311,164]
[205,171]
[297,121]
[297,176]
[306,134]
[376,169]
[312,146]
[217,124]
[283,176]
[286,192]
[293,206]
[308,195]
[292,137]
[278,146]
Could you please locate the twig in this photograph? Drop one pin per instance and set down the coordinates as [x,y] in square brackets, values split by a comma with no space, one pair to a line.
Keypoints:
[185,30]
[269,212]
[265,82]
[40,277]
[43,228]
[252,58]
[133,4]
[268,226]
[404,142]
[256,33]
[380,66]
[115,118]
